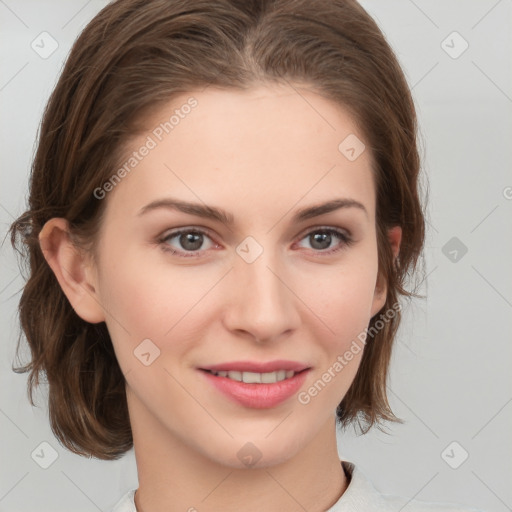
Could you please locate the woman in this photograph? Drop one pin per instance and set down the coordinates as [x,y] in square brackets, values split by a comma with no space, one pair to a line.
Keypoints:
[223,209]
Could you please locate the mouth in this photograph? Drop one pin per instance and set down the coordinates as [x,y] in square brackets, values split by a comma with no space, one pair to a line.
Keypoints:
[256,377]
[257,385]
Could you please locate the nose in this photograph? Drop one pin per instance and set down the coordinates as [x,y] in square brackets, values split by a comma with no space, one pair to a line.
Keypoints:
[261,304]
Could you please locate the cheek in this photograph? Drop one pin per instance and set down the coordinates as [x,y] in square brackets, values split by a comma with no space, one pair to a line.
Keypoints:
[342,310]
[156,302]
[341,297]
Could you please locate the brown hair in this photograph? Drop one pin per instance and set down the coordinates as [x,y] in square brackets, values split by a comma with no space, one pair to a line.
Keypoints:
[136,55]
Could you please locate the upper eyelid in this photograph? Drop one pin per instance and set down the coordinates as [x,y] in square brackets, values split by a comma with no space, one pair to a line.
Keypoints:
[324,227]
[176,231]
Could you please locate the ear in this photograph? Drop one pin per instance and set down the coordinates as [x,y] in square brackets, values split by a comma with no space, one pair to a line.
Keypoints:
[381,291]
[72,269]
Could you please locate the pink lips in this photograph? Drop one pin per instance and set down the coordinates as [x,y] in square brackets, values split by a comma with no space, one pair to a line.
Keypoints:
[257,396]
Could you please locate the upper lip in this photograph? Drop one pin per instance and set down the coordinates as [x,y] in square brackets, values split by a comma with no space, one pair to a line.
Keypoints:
[257,367]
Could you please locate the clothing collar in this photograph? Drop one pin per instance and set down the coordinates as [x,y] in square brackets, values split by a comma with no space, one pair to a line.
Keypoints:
[360,494]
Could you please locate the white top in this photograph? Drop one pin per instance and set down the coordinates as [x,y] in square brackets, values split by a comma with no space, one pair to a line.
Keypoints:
[360,496]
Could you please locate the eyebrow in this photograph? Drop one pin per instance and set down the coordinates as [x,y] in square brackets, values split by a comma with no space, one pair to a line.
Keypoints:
[211,212]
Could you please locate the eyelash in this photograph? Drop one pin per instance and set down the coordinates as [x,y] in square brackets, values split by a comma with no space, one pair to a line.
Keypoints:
[347,241]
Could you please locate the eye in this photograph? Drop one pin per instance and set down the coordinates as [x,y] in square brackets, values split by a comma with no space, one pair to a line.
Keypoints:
[321,240]
[190,240]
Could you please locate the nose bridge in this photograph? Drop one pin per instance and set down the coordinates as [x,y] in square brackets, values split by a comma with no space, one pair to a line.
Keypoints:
[262,304]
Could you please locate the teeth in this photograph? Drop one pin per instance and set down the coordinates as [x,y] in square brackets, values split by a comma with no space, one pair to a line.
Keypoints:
[256,378]
[251,377]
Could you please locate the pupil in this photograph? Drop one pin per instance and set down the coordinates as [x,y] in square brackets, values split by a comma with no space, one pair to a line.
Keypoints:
[191,241]
[322,238]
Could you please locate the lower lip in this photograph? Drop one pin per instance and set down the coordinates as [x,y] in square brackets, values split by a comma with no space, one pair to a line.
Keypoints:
[258,396]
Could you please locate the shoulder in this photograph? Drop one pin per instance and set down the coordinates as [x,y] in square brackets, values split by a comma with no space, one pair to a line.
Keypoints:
[361,496]
[126,503]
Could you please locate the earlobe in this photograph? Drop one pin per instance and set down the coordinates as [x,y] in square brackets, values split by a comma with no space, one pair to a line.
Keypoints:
[381,291]
[395,238]
[71,270]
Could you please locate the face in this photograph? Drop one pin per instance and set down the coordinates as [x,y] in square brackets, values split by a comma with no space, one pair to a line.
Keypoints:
[183,290]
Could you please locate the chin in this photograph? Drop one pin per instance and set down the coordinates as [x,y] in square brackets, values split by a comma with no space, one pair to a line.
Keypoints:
[258,453]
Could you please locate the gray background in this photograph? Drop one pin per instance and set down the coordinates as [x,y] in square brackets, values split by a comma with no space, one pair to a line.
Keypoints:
[449,376]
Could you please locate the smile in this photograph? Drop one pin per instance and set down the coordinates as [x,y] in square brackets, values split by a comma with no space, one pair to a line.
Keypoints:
[256,390]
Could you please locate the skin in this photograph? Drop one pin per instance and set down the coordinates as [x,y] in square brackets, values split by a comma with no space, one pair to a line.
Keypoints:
[261,155]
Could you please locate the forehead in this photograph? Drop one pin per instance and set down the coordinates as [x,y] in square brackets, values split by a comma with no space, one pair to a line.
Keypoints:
[271,147]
